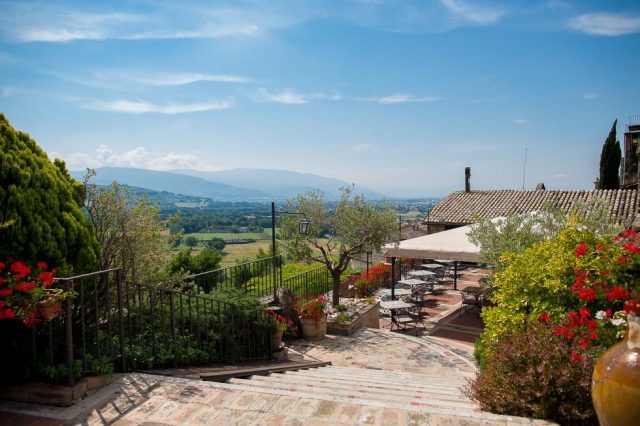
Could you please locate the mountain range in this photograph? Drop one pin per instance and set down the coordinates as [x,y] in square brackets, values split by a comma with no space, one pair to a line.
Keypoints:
[227,185]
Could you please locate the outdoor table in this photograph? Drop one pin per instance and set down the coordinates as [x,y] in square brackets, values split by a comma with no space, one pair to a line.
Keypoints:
[444,261]
[397,292]
[395,304]
[476,292]
[412,282]
[432,265]
[422,273]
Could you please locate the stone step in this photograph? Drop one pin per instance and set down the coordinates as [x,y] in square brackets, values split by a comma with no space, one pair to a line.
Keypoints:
[367,398]
[390,382]
[383,373]
[362,387]
[384,377]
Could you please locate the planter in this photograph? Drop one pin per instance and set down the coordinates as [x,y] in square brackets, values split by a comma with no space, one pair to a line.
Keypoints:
[370,317]
[615,387]
[314,330]
[276,339]
[51,308]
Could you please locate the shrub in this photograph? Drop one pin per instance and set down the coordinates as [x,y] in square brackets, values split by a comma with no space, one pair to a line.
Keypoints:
[536,281]
[523,377]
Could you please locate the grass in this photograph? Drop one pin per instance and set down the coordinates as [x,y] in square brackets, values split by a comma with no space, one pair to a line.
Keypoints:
[232,252]
[206,236]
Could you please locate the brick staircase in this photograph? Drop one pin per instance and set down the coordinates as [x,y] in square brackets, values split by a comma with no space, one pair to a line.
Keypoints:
[377,388]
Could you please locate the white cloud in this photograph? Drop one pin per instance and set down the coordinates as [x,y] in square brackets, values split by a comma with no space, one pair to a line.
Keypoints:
[141,107]
[401,98]
[560,176]
[7,91]
[291,97]
[138,157]
[589,96]
[520,121]
[606,24]
[178,79]
[362,147]
[474,14]
[286,96]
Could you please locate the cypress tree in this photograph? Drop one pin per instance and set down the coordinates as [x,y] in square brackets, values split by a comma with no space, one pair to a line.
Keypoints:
[40,208]
[610,161]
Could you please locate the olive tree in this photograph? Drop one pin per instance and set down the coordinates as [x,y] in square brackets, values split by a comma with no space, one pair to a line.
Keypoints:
[355,227]
[128,229]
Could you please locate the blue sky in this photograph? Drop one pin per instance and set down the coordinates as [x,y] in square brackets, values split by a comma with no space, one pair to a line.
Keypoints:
[398,96]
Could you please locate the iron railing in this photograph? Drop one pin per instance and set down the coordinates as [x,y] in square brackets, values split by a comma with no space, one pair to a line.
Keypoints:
[255,277]
[110,322]
[315,281]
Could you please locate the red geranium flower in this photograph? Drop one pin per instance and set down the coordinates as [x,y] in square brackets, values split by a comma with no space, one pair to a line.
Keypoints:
[581,249]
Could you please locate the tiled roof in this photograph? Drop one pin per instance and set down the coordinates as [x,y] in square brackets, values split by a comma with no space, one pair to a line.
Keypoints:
[463,207]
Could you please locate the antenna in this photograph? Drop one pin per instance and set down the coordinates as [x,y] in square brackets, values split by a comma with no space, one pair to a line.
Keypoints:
[524,168]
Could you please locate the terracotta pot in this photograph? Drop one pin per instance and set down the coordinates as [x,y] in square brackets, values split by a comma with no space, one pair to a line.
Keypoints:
[314,330]
[615,387]
[51,308]
[276,338]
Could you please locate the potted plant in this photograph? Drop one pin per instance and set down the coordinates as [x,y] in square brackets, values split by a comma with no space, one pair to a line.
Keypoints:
[279,326]
[24,290]
[314,317]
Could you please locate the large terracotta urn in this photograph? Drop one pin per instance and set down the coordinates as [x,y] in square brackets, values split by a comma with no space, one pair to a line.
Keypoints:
[314,330]
[276,338]
[615,387]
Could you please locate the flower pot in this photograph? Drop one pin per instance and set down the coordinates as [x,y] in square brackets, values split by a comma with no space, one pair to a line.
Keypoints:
[51,308]
[276,339]
[615,387]
[314,330]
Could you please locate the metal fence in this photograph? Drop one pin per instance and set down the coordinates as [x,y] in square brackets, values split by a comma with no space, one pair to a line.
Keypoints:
[255,277]
[109,323]
[315,281]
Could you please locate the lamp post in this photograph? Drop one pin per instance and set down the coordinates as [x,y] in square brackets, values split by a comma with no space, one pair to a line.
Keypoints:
[303,229]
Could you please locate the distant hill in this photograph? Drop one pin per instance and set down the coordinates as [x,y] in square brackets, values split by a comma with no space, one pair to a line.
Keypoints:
[281,183]
[227,185]
[173,182]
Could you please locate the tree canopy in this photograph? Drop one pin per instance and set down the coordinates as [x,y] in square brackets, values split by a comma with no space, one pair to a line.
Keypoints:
[129,230]
[610,161]
[40,207]
[356,227]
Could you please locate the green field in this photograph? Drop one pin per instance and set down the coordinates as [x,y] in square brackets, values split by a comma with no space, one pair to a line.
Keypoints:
[206,236]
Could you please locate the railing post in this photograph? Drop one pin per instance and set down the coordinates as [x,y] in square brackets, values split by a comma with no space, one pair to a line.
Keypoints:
[69,333]
[123,358]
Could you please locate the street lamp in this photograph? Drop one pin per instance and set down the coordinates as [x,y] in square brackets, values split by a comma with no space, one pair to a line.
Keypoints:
[303,229]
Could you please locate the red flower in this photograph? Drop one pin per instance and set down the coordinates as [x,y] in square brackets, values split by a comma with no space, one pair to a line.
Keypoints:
[7,313]
[575,357]
[560,331]
[579,282]
[25,287]
[632,248]
[592,324]
[41,265]
[621,259]
[544,317]
[2,281]
[20,270]
[598,247]
[5,292]
[618,293]
[608,313]
[632,306]
[584,312]
[593,335]
[587,294]
[581,249]
[570,334]
[46,278]
[2,265]
[584,343]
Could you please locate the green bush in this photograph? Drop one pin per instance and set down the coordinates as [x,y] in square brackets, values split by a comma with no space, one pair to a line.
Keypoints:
[536,281]
[537,373]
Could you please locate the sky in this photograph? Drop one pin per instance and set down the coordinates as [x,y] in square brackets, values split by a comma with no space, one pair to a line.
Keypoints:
[397,96]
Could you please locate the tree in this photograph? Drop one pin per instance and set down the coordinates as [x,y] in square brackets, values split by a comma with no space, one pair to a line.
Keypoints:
[128,229]
[40,208]
[356,228]
[184,262]
[216,244]
[610,161]
[191,241]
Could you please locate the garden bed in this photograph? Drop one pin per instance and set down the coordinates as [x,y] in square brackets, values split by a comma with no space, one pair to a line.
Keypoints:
[361,313]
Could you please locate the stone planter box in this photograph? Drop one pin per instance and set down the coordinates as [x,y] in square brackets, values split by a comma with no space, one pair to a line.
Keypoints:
[370,317]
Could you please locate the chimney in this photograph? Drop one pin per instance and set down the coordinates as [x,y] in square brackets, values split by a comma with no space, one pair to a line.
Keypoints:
[467,179]
[540,187]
